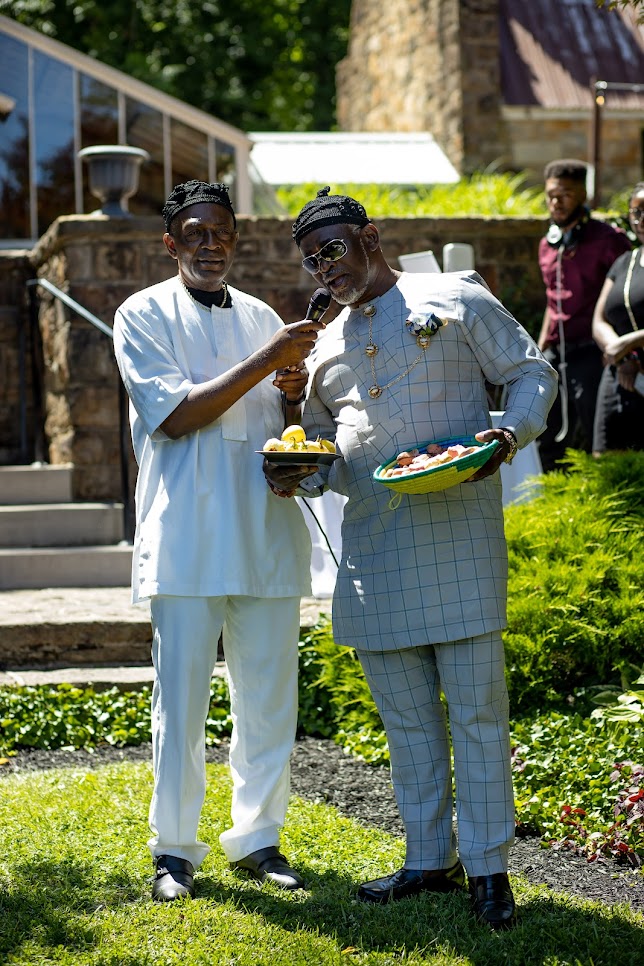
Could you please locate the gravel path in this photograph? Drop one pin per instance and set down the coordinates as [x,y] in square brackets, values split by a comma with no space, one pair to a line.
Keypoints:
[322,772]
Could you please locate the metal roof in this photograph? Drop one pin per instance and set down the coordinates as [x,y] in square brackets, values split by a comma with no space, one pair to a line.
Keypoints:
[350,158]
[551,51]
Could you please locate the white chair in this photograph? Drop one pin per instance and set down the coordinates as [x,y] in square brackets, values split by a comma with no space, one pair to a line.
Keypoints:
[525,464]
[328,509]
[457,257]
[419,262]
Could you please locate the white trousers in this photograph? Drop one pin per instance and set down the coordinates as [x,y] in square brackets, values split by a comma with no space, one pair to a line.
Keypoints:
[406,686]
[260,641]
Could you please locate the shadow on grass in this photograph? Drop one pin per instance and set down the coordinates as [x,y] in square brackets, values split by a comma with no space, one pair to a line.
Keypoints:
[53,903]
[549,927]
[50,903]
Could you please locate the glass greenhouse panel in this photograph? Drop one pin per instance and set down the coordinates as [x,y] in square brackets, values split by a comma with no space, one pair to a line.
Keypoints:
[54,139]
[14,140]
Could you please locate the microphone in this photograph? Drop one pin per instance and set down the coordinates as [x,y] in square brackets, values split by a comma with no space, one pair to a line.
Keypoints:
[318,304]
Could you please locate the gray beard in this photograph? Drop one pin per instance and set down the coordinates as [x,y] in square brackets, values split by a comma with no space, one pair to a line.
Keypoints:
[353,295]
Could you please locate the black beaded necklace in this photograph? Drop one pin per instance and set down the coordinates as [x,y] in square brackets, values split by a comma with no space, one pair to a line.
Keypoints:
[221,298]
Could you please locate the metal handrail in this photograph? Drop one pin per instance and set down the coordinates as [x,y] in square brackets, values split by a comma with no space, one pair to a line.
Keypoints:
[128,516]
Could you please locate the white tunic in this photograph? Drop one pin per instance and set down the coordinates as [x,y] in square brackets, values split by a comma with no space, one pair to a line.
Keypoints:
[206,522]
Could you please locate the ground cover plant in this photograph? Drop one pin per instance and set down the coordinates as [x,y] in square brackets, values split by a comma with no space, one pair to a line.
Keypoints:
[74,889]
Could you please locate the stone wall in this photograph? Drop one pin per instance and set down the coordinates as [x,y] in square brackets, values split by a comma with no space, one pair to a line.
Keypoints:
[101,261]
[534,138]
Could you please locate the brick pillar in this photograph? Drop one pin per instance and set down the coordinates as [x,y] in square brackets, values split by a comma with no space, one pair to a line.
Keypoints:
[426,65]
[99,262]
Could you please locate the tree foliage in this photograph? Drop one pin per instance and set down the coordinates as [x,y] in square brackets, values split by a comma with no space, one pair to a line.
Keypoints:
[258,64]
[637,5]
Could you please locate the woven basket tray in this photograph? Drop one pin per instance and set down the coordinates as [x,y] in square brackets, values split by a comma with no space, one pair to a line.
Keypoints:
[439,477]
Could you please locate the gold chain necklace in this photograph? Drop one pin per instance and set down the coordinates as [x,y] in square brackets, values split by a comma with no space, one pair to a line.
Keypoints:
[627,285]
[224,289]
[371,349]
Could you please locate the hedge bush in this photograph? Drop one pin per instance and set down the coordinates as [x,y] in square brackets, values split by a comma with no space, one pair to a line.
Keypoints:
[576,583]
[494,194]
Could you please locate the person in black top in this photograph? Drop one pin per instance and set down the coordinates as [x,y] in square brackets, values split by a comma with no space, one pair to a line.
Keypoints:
[618,330]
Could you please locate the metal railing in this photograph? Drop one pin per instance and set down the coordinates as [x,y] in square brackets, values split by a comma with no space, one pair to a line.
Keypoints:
[38,372]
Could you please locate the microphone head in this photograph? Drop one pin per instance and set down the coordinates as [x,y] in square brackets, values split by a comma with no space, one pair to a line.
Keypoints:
[318,304]
[321,299]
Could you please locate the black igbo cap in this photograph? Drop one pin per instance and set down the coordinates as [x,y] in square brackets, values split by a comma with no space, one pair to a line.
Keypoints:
[193,193]
[326,209]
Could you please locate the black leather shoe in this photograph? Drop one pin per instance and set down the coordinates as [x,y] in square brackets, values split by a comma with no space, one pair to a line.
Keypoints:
[269,864]
[493,900]
[174,879]
[411,882]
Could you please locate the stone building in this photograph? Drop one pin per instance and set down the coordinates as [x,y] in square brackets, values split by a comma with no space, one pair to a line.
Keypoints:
[499,82]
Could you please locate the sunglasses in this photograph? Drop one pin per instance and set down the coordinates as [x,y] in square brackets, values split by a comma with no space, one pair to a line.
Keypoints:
[333,251]
[636,214]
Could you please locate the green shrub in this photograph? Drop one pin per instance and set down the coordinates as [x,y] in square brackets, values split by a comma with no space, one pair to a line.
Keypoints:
[491,194]
[334,694]
[576,582]
[67,716]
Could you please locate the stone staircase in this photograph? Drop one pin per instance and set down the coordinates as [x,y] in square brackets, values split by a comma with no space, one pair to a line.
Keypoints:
[65,610]
[47,540]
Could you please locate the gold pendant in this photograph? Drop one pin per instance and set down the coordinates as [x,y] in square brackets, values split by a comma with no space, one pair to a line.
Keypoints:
[375,391]
[369,311]
[422,341]
[371,349]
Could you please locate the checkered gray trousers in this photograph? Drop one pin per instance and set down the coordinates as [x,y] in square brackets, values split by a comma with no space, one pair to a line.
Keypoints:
[406,686]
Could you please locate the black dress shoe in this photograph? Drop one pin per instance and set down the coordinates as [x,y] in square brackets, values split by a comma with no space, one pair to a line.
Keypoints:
[269,864]
[174,879]
[493,900]
[411,882]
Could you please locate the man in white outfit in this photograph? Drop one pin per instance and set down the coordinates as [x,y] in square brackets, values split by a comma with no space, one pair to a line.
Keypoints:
[214,547]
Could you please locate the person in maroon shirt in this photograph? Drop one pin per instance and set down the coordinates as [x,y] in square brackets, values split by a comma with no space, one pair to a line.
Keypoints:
[574,258]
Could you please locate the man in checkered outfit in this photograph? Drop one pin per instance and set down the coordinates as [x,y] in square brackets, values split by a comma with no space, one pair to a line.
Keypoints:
[422,588]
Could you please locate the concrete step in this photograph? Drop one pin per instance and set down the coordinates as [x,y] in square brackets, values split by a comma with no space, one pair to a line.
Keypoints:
[85,634]
[102,566]
[37,483]
[61,524]
[126,678]
[63,627]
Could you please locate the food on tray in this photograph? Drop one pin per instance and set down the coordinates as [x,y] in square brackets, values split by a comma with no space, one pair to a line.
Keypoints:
[294,441]
[417,461]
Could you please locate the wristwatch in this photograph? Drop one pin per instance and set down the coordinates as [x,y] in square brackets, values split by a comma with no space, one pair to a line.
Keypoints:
[512,443]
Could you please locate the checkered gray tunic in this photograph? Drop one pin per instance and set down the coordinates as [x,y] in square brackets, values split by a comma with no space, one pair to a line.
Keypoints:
[435,568]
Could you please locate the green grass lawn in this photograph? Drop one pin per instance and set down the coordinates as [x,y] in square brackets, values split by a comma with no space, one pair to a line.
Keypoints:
[75,879]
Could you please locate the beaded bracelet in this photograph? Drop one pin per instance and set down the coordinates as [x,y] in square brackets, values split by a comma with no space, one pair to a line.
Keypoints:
[512,442]
[294,402]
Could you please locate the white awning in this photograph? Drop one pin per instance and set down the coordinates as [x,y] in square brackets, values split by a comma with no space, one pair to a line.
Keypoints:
[344,158]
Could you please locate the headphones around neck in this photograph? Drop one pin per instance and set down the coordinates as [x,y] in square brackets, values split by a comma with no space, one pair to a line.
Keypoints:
[560,236]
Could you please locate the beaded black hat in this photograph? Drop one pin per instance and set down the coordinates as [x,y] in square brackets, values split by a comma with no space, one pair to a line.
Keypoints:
[326,209]
[193,193]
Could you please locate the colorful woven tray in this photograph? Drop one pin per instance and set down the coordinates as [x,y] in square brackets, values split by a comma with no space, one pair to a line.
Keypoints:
[439,477]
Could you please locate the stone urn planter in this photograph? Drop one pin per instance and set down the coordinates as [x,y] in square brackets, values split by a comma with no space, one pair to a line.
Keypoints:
[113,175]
